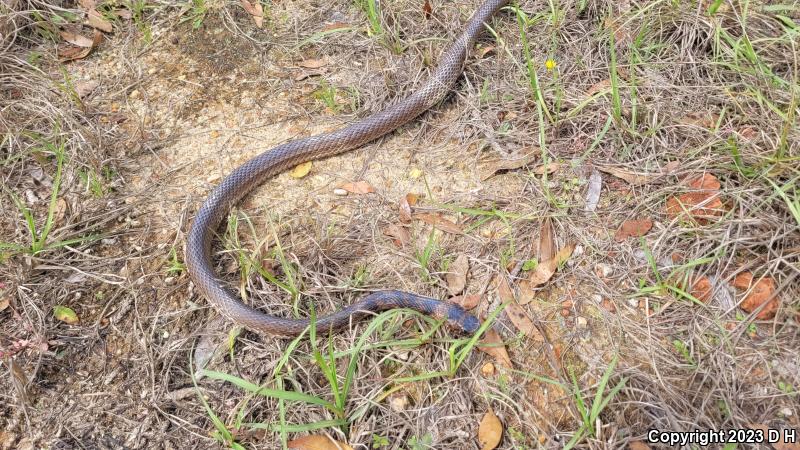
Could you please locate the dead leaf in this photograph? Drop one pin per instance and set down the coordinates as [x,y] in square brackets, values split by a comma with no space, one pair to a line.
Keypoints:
[521,321]
[700,119]
[599,86]
[634,178]
[545,270]
[84,88]
[493,345]
[87,4]
[312,63]
[549,168]
[95,20]
[547,244]
[4,302]
[457,275]
[335,26]
[702,288]
[76,39]
[71,53]
[465,301]
[440,223]
[317,442]
[427,9]
[701,205]
[759,292]
[490,431]
[405,209]
[124,13]
[358,187]
[485,50]
[633,228]
[491,167]
[255,10]
[301,170]
[401,235]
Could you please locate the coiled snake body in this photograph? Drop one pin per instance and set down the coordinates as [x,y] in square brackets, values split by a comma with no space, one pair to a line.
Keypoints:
[252,173]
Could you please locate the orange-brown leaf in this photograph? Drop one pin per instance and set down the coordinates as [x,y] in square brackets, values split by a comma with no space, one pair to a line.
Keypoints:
[312,63]
[490,431]
[489,168]
[95,20]
[256,10]
[547,243]
[758,292]
[427,9]
[400,235]
[317,442]
[493,345]
[633,228]
[702,288]
[634,178]
[405,209]
[358,187]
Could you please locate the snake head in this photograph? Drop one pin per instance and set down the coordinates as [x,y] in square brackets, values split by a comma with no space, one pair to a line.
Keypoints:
[460,319]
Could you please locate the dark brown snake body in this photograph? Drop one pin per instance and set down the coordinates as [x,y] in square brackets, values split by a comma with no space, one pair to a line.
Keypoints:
[255,171]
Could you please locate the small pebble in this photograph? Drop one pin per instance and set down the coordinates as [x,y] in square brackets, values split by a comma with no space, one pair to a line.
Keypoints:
[786,412]
[134,94]
[603,270]
[582,322]
[633,302]
[340,192]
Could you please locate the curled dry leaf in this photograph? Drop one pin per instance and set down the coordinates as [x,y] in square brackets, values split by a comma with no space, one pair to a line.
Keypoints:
[70,53]
[95,20]
[317,442]
[465,301]
[427,9]
[440,223]
[358,187]
[493,345]
[405,209]
[491,167]
[638,445]
[549,168]
[76,39]
[457,275]
[702,204]
[256,10]
[490,431]
[633,228]
[400,236]
[758,292]
[84,88]
[599,86]
[545,270]
[312,63]
[301,170]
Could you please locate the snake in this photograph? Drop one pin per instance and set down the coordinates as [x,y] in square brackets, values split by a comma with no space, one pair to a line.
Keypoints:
[254,172]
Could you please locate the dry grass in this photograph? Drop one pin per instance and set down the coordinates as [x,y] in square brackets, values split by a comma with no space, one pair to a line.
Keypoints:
[178,103]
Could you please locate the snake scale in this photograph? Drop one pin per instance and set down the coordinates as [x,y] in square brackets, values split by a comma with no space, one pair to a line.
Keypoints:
[248,176]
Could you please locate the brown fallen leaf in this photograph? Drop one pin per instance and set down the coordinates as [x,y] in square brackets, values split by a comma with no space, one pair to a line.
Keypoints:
[456,276]
[440,223]
[638,445]
[758,292]
[301,170]
[84,88]
[70,53]
[465,301]
[545,270]
[485,50]
[358,187]
[547,243]
[700,119]
[634,178]
[491,167]
[492,345]
[701,289]
[95,20]
[76,39]
[513,310]
[312,63]
[400,235]
[490,431]
[335,26]
[404,209]
[549,168]
[4,302]
[317,442]
[701,205]
[256,10]
[633,228]
[599,86]
[87,4]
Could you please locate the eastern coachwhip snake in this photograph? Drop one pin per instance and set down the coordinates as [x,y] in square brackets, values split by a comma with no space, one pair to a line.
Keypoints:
[252,173]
